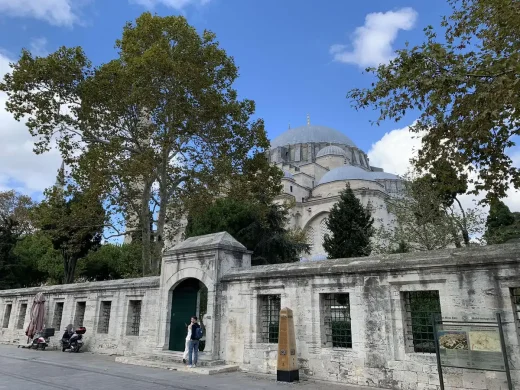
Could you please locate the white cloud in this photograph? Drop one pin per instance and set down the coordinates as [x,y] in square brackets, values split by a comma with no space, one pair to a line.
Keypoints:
[56,12]
[394,151]
[372,42]
[175,4]
[39,46]
[20,167]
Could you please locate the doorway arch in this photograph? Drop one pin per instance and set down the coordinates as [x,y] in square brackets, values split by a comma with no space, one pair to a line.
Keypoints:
[189,298]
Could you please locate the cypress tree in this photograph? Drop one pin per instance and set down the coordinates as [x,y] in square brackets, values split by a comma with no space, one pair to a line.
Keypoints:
[501,225]
[351,227]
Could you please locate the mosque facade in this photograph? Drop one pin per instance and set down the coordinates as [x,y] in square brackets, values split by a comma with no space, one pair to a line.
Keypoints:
[317,163]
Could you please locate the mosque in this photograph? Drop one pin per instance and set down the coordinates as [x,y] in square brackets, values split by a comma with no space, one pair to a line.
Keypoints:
[317,163]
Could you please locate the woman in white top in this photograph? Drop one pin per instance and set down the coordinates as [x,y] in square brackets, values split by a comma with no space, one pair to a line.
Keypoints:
[187,345]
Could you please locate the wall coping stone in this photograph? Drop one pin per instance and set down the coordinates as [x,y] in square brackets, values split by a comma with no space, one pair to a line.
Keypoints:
[119,284]
[456,258]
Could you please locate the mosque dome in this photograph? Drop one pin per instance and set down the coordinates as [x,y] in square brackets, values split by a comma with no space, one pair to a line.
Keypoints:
[346,172]
[331,150]
[311,133]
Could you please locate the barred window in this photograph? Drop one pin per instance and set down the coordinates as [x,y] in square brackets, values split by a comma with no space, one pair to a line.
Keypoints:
[21,316]
[270,306]
[104,316]
[310,237]
[324,230]
[80,314]
[420,306]
[515,294]
[134,318]
[58,314]
[7,315]
[336,321]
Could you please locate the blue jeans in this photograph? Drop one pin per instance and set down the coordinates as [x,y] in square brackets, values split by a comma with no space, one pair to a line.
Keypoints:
[193,354]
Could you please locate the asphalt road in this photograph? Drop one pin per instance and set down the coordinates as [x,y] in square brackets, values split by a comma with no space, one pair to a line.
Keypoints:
[22,369]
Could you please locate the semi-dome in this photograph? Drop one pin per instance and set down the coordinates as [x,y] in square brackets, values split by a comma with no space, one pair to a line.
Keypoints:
[311,133]
[346,172]
[385,176]
[331,150]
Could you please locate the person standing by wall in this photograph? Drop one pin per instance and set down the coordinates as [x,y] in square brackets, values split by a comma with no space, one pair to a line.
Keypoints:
[196,335]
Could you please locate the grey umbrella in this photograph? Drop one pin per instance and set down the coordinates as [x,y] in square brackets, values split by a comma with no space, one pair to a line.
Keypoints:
[37,316]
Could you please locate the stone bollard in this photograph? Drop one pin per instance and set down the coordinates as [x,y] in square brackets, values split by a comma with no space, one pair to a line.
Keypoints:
[287,368]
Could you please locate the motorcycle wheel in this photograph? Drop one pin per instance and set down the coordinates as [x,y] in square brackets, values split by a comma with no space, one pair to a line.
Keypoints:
[43,347]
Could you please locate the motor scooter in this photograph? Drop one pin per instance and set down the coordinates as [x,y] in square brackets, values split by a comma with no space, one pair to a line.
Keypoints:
[41,340]
[72,340]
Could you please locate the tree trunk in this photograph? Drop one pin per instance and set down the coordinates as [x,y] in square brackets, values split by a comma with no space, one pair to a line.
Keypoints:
[161,220]
[145,228]
[453,230]
[69,267]
[165,188]
[464,227]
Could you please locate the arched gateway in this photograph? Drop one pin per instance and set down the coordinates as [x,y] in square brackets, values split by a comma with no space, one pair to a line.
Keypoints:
[189,286]
[189,298]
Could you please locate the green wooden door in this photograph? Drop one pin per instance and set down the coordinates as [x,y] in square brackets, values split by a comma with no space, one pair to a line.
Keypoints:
[184,306]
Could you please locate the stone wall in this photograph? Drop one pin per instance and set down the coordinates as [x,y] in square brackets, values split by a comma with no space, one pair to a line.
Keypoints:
[466,283]
[472,283]
[118,337]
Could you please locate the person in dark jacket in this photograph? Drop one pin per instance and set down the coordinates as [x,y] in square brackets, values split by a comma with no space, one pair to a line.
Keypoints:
[193,354]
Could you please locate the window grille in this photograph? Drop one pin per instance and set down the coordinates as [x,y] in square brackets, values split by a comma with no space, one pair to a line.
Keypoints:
[270,318]
[134,318]
[515,293]
[310,237]
[58,313]
[324,230]
[80,314]
[21,316]
[420,306]
[337,322]
[104,318]
[7,315]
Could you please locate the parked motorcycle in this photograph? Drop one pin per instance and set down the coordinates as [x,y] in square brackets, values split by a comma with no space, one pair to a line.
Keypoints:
[72,340]
[41,340]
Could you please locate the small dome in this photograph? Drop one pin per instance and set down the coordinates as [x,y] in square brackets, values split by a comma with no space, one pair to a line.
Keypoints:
[288,175]
[346,172]
[311,133]
[331,150]
[318,257]
[385,176]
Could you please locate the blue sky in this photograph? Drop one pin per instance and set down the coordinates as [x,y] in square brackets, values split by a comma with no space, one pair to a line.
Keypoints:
[281,47]
[295,57]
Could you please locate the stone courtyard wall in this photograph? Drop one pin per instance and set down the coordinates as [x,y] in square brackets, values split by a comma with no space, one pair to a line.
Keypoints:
[118,337]
[475,283]
[470,284]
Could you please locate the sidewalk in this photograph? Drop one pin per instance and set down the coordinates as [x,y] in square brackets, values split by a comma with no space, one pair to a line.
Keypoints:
[21,369]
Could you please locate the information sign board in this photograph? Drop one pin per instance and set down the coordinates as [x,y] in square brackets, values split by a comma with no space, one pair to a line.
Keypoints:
[470,346]
[477,346]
